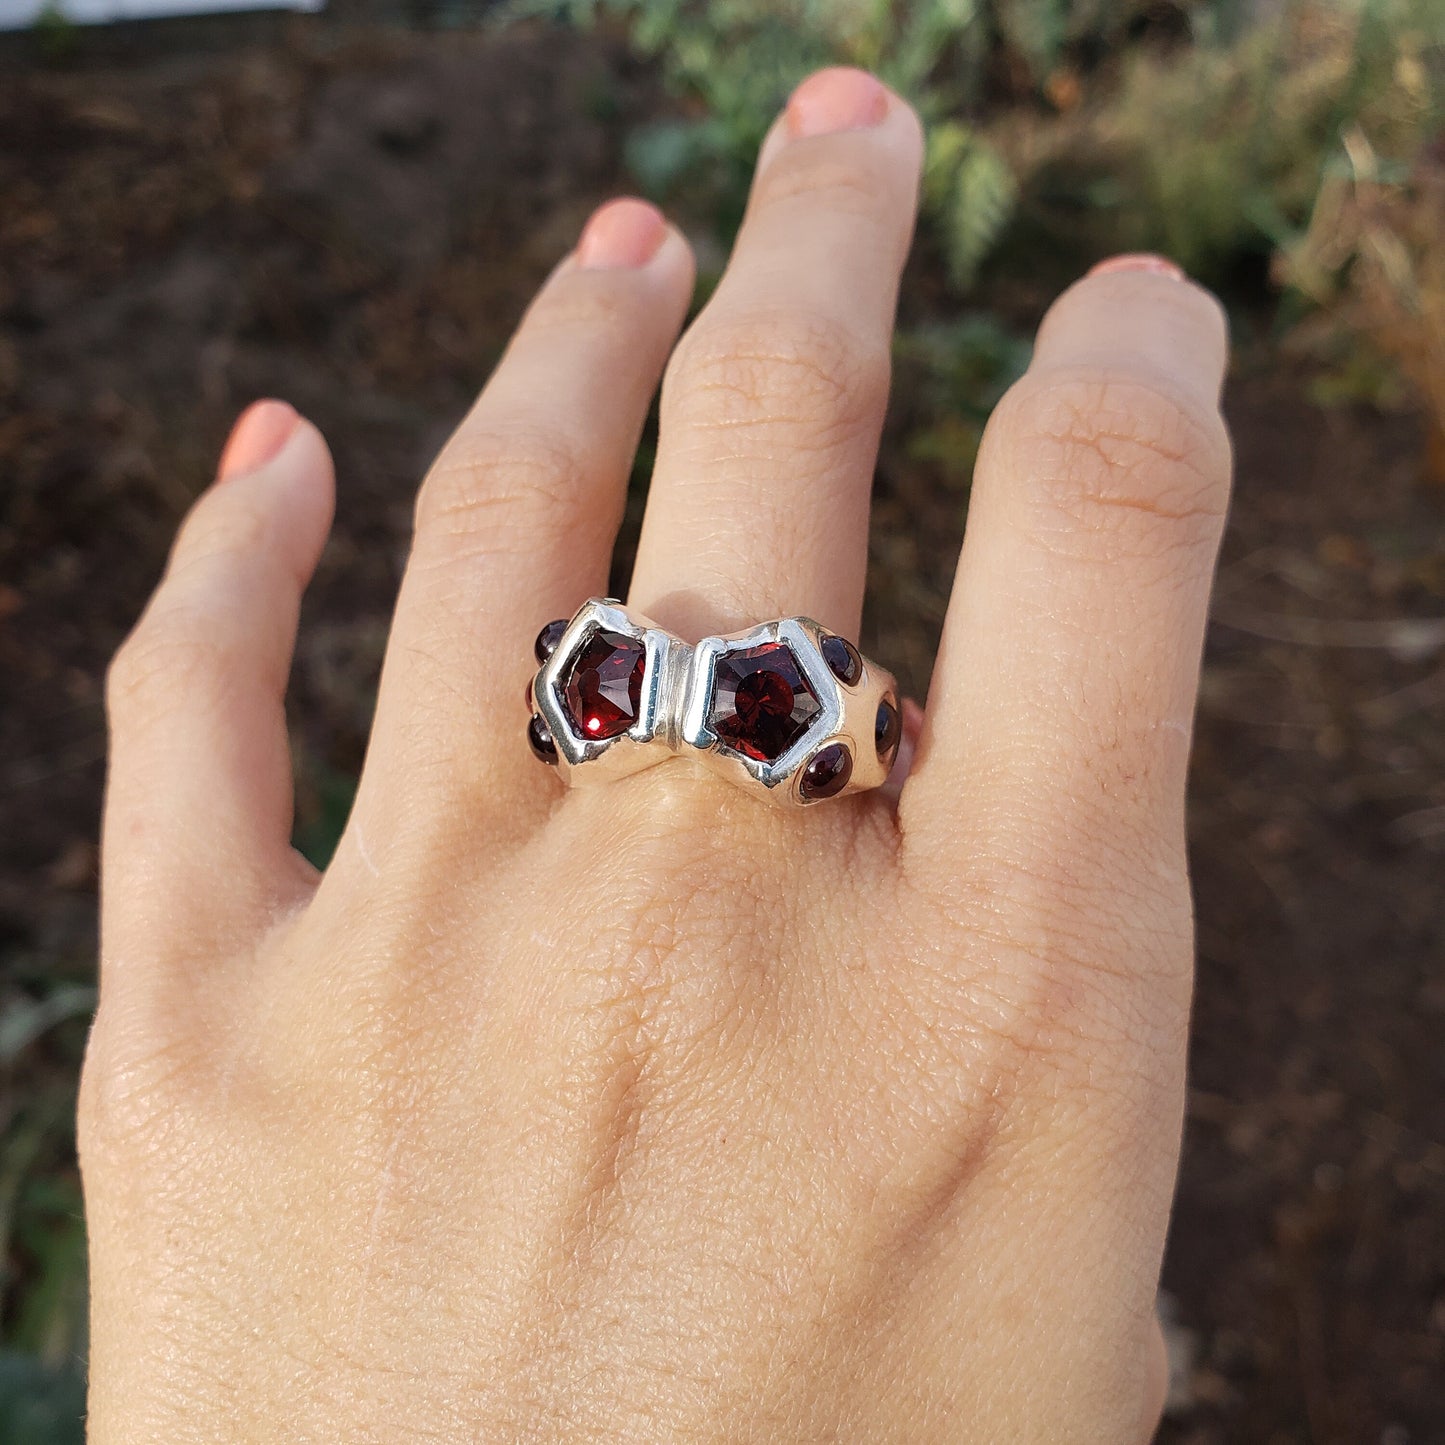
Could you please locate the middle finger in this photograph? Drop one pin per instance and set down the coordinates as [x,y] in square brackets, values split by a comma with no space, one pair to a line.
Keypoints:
[774,399]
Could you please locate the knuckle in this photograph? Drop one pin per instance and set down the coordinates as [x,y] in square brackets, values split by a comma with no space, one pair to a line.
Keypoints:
[1114,462]
[505,488]
[1090,980]
[223,525]
[1107,976]
[1077,890]
[806,372]
[593,301]
[845,184]
[127,1096]
[172,652]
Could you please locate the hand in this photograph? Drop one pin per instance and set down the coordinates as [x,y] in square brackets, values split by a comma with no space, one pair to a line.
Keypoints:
[648,1111]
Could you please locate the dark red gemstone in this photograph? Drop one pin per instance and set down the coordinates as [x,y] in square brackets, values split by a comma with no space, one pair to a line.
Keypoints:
[827,773]
[842,658]
[543,744]
[602,689]
[548,638]
[887,729]
[761,703]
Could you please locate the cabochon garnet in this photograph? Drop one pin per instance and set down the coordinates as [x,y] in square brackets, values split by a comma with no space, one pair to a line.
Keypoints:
[887,728]
[542,742]
[761,702]
[827,773]
[602,689]
[548,638]
[842,658]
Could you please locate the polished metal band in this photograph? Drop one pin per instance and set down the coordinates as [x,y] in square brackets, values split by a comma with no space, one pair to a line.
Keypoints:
[787,709]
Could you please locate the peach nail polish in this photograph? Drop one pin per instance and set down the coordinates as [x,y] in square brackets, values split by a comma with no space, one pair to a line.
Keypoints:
[622,233]
[1139,261]
[259,434]
[840,98]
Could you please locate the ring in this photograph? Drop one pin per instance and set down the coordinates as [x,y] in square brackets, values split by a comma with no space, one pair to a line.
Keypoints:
[602,701]
[786,709]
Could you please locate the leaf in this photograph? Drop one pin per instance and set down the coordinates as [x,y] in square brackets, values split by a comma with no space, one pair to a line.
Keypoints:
[963,365]
[973,191]
[22,1023]
[925,34]
[1037,30]
[660,155]
[40,1405]
[948,141]
[319,826]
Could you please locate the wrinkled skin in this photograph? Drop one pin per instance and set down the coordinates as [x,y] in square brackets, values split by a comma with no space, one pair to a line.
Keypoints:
[648,1112]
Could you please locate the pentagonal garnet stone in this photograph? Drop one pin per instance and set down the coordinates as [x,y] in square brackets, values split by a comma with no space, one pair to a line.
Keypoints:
[602,687]
[761,702]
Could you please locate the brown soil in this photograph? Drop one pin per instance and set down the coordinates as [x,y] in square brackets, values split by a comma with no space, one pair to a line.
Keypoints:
[354,223]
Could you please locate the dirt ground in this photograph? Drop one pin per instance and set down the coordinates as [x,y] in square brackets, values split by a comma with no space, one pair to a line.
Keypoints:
[354,222]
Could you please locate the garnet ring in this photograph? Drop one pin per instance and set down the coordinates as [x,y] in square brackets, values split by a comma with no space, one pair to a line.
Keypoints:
[787,709]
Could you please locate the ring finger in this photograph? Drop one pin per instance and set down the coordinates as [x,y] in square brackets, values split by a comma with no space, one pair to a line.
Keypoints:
[773,401]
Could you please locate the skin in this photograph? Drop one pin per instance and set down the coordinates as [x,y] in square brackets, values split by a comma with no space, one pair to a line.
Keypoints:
[649,1112]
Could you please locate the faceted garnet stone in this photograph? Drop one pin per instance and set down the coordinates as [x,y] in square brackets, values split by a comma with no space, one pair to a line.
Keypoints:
[761,703]
[602,689]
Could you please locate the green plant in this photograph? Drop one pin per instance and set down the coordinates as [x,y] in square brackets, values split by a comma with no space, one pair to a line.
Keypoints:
[1218,150]
[1371,265]
[56,35]
[954,373]
[323,804]
[42,1233]
[732,64]
[40,1404]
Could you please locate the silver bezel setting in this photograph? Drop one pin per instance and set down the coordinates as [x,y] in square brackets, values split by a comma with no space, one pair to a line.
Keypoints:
[649,739]
[846,714]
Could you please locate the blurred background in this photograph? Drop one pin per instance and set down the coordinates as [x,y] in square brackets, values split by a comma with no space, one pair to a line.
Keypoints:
[350,208]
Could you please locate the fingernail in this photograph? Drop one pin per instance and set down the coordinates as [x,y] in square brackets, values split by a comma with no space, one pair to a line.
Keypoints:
[1139,261]
[259,434]
[622,233]
[837,99]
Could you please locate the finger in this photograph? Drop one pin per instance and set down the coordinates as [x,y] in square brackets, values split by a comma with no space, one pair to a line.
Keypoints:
[516,519]
[199,796]
[1057,728]
[774,399]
